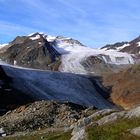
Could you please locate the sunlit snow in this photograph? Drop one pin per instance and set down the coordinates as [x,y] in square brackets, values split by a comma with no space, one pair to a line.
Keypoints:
[3,45]
[138,44]
[123,46]
[36,37]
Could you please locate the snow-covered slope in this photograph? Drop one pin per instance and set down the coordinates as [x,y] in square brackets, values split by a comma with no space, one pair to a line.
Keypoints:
[73,53]
[56,86]
[72,62]
[132,47]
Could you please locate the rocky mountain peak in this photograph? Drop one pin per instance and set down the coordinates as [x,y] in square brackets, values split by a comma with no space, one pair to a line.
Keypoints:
[32,51]
[113,46]
[136,40]
[70,41]
[132,47]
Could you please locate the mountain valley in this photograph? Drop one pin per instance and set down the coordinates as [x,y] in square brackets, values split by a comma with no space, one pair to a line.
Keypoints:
[58,84]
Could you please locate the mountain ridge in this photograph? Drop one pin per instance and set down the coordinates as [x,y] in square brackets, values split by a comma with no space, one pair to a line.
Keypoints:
[132,47]
[62,54]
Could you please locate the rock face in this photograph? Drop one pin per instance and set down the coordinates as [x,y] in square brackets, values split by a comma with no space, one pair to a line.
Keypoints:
[115,46]
[59,53]
[125,87]
[132,47]
[95,65]
[136,131]
[32,51]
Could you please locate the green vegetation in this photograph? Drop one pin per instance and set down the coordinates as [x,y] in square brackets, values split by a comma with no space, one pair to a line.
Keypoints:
[45,136]
[118,130]
[115,131]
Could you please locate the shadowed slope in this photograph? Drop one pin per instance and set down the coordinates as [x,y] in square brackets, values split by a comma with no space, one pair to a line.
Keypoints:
[55,86]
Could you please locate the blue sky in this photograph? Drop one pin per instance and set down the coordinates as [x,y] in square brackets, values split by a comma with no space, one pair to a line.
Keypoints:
[93,22]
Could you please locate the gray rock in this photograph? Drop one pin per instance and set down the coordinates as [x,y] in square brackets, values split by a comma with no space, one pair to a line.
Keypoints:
[80,135]
[111,118]
[136,131]
[79,128]
[2,132]
[118,115]
[133,112]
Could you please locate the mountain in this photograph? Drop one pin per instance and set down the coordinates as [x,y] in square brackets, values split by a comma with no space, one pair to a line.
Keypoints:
[63,54]
[33,52]
[26,62]
[132,47]
[58,88]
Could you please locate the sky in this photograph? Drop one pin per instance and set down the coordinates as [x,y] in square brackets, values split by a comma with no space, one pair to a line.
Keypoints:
[94,23]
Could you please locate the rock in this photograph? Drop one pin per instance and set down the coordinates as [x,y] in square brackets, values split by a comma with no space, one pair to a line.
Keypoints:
[38,53]
[133,112]
[79,127]
[4,135]
[80,135]
[42,137]
[87,120]
[111,118]
[41,114]
[2,132]
[119,115]
[136,131]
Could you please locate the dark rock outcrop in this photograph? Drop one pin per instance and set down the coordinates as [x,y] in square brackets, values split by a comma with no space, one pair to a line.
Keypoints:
[33,53]
[134,47]
[113,46]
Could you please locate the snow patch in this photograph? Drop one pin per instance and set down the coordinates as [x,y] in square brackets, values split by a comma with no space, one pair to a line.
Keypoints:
[3,45]
[15,62]
[138,44]
[50,38]
[63,47]
[36,37]
[123,46]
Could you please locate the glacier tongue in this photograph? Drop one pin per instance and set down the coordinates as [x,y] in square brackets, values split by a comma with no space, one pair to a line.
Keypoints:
[72,62]
[73,54]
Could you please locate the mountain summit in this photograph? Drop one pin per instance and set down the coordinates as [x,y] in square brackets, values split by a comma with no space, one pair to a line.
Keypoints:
[41,51]
[132,47]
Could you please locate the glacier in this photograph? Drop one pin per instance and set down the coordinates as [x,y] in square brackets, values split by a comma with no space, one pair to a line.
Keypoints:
[74,54]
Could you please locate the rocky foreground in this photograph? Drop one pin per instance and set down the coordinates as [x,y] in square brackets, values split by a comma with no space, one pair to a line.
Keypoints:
[40,119]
